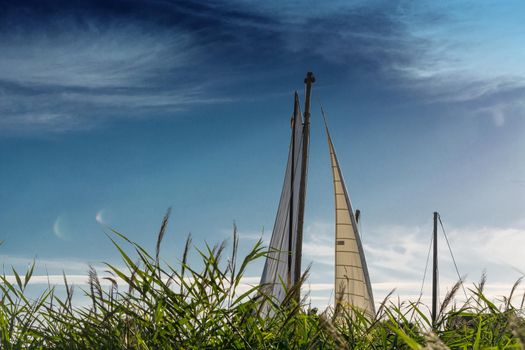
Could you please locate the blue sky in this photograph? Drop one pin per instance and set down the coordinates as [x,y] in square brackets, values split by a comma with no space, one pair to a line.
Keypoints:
[113,111]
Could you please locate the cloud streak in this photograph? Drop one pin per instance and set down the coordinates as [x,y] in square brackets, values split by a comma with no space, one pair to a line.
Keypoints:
[67,70]
[319,294]
[99,218]
[52,266]
[59,229]
[396,255]
[73,68]
[99,57]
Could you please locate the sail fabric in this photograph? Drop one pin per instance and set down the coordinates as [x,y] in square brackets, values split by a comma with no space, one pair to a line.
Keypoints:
[352,282]
[279,271]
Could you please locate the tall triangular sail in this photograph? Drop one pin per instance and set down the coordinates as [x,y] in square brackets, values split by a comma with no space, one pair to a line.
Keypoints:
[280,270]
[352,283]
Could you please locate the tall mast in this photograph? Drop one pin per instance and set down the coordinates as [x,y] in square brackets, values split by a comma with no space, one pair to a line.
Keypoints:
[292,181]
[435,277]
[309,80]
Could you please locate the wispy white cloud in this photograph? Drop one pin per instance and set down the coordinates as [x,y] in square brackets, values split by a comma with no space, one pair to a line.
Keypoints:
[404,250]
[88,71]
[490,246]
[396,257]
[470,63]
[53,266]
[502,110]
[72,76]
[59,228]
[99,218]
[396,249]
[85,110]
[43,120]
[248,235]
[318,244]
[135,99]
[111,54]
[55,279]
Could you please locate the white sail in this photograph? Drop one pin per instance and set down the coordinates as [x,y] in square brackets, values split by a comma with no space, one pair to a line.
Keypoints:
[352,283]
[280,269]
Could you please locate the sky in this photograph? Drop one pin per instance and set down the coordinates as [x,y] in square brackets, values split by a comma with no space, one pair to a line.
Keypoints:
[113,111]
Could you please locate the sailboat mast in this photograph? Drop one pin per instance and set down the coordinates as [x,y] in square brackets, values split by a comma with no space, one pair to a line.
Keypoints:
[435,277]
[292,181]
[309,80]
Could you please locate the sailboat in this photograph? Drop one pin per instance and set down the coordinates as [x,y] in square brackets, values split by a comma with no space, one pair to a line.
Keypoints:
[282,269]
[352,282]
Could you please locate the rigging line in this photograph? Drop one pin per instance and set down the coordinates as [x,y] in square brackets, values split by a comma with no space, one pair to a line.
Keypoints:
[317,98]
[426,269]
[452,255]
[424,275]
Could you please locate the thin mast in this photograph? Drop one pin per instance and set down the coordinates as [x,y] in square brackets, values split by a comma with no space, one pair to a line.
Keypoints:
[292,180]
[309,80]
[435,277]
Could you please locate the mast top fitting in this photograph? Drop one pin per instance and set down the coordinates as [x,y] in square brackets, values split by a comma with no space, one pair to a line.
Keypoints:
[309,78]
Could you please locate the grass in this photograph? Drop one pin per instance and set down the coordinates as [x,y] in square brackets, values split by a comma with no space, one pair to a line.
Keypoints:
[151,305]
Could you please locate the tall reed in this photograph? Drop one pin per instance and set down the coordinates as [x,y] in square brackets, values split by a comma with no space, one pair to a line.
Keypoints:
[149,304]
